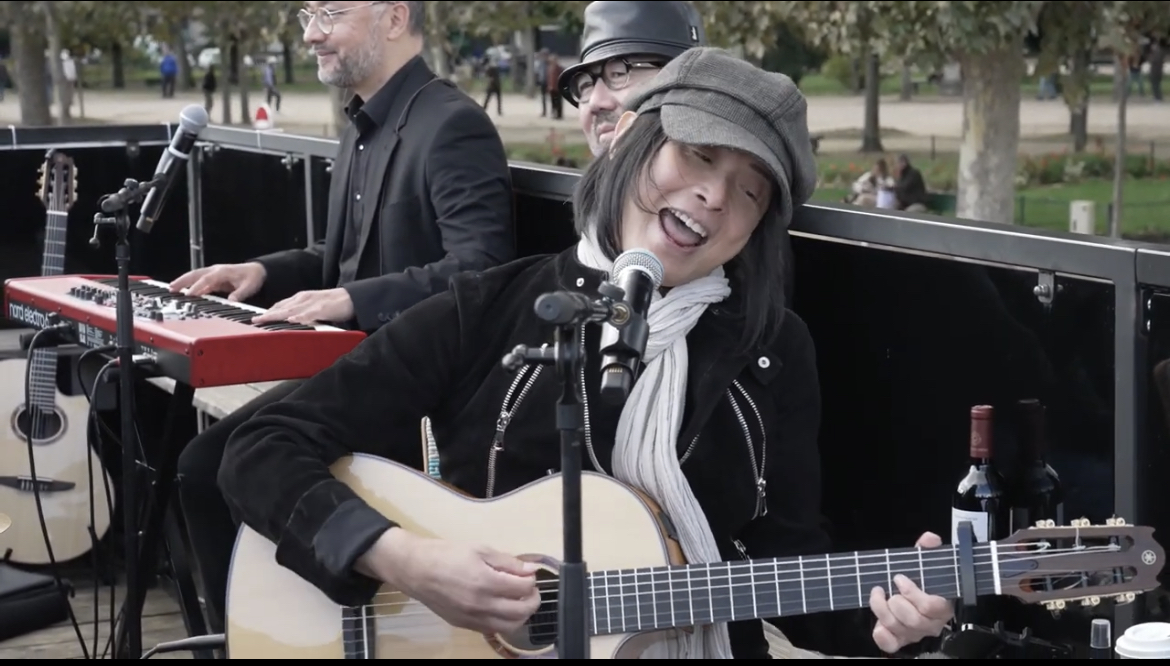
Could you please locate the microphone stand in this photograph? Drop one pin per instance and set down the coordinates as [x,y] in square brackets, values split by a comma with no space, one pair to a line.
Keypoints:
[569,311]
[117,207]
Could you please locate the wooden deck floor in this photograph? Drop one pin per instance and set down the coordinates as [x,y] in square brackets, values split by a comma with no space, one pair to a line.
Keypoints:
[161,622]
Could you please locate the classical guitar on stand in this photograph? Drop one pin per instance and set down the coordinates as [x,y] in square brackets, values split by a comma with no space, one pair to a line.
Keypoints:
[57,424]
[638,582]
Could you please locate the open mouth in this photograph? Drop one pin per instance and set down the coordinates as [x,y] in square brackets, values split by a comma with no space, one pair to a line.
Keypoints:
[681,229]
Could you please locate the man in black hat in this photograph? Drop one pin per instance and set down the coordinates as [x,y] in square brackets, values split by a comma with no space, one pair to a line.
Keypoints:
[624,44]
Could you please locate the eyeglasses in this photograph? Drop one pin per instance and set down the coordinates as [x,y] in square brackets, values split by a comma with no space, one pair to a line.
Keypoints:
[326,17]
[615,73]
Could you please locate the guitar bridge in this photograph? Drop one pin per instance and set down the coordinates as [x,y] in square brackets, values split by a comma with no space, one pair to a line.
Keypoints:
[28,484]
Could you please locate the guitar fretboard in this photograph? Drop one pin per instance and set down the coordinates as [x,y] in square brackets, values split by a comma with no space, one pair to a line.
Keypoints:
[43,362]
[689,595]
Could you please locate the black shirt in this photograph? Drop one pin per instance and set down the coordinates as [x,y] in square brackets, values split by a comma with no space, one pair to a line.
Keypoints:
[370,119]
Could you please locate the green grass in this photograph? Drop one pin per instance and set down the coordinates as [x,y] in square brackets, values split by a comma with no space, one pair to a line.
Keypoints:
[1146,209]
[100,77]
[818,84]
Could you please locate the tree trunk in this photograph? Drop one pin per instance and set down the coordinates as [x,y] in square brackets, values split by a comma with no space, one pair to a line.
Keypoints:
[186,77]
[244,76]
[1076,96]
[856,76]
[907,83]
[225,103]
[28,47]
[227,74]
[287,54]
[528,39]
[871,134]
[61,86]
[1120,78]
[1119,158]
[991,133]
[119,62]
[437,39]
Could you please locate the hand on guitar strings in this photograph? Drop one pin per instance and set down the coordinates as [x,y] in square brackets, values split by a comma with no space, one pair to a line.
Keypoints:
[910,615]
[239,281]
[310,307]
[470,587]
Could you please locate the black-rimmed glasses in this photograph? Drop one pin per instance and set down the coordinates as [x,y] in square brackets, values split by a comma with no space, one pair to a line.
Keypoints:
[615,73]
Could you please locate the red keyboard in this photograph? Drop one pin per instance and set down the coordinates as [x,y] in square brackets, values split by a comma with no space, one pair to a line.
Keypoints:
[200,341]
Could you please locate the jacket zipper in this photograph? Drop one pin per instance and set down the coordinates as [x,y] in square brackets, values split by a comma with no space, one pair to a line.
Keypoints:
[585,410]
[743,554]
[759,471]
[505,419]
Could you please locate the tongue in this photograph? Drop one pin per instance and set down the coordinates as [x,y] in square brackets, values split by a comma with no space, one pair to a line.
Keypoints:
[679,232]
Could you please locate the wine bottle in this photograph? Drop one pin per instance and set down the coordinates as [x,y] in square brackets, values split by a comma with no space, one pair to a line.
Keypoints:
[1036,493]
[980,497]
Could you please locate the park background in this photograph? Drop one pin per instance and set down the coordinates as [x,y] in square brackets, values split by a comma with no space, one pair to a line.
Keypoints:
[959,87]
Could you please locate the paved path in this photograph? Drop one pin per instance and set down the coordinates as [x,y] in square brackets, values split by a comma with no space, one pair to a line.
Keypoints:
[309,113]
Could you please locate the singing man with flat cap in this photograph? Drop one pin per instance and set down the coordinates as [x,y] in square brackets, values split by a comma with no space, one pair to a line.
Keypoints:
[624,44]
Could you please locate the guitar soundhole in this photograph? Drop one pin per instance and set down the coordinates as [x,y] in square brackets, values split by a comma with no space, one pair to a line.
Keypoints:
[540,633]
[44,425]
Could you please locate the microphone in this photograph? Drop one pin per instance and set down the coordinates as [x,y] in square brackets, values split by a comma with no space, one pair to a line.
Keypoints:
[638,273]
[192,120]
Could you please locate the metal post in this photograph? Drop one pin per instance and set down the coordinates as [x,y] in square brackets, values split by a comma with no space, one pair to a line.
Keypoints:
[195,206]
[1127,428]
[310,227]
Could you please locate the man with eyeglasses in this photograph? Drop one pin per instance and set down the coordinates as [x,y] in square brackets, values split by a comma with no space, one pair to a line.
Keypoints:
[420,191]
[624,44]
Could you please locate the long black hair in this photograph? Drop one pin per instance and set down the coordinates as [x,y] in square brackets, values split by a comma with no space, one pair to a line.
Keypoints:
[756,274]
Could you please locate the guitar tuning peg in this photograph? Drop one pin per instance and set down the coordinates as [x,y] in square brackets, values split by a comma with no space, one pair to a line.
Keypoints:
[1124,598]
[1055,606]
[1115,521]
[1045,523]
[1090,601]
[1080,522]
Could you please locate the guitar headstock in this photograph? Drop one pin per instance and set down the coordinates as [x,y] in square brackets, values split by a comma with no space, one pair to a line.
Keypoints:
[1081,562]
[57,185]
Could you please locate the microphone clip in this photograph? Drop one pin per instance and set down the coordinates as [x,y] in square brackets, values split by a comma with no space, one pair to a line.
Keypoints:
[115,208]
[615,296]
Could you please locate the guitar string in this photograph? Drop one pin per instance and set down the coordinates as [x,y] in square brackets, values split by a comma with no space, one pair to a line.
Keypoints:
[614,623]
[931,560]
[675,587]
[869,559]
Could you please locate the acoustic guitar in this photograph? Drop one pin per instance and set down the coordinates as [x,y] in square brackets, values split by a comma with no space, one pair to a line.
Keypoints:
[638,582]
[66,466]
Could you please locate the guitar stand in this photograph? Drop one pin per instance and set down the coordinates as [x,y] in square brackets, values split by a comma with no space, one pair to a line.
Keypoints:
[162,526]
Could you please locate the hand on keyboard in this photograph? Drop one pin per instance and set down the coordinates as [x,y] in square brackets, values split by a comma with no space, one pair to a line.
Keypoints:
[309,307]
[241,280]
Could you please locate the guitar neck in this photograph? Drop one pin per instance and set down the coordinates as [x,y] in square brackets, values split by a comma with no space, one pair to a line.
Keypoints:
[656,598]
[43,387]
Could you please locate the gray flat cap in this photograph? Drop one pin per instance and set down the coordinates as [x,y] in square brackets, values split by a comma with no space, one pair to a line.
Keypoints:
[615,29]
[709,97]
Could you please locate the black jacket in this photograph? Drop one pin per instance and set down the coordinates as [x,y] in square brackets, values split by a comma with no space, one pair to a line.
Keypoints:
[444,204]
[442,359]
